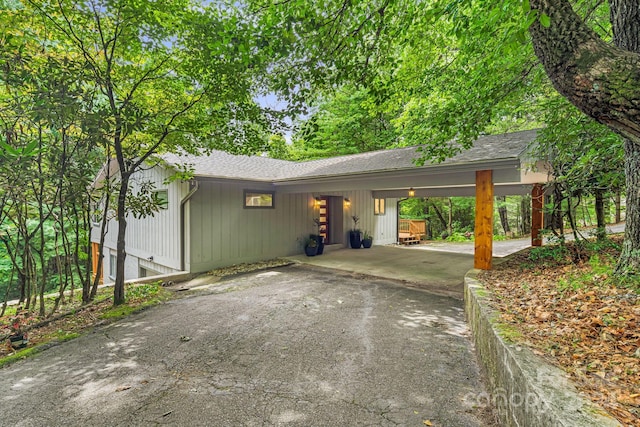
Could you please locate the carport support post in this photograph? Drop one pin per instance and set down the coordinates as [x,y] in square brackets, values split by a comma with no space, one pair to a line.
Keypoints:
[537,214]
[484,220]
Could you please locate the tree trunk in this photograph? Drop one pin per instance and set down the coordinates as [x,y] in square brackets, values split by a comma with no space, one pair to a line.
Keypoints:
[450,222]
[440,216]
[601,223]
[618,203]
[600,79]
[525,207]
[629,261]
[118,290]
[502,211]
[557,222]
[625,23]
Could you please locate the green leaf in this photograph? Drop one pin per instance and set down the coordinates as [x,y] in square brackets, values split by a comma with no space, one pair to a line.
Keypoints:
[9,150]
[545,21]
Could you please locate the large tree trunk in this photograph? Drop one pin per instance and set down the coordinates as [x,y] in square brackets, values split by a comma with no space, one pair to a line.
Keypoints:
[603,81]
[625,23]
[629,262]
[600,79]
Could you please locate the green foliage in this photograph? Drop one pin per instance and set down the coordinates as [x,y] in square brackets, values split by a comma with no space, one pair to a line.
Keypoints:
[549,253]
[139,297]
[347,122]
[459,237]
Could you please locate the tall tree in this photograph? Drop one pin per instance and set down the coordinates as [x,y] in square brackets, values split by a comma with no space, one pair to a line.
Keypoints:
[347,121]
[173,75]
[625,22]
[490,64]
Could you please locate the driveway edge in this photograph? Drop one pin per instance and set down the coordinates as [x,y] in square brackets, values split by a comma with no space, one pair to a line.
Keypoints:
[525,390]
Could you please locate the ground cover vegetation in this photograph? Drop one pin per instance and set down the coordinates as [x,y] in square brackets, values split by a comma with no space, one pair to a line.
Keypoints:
[72,320]
[565,302]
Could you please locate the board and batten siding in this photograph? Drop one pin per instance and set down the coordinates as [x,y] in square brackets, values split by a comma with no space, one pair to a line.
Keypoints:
[221,231]
[156,236]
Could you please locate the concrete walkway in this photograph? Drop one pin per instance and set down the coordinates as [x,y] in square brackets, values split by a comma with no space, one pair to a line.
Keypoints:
[437,272]
[438,267]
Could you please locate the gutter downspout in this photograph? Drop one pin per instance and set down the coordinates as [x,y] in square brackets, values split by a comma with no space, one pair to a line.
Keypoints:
[183,202]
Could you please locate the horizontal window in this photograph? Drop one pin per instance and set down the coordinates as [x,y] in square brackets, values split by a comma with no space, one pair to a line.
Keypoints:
[258,199]
[162,198]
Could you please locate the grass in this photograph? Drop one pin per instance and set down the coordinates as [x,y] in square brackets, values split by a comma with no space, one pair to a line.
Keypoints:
[80,318]
[19,355]
[139,297]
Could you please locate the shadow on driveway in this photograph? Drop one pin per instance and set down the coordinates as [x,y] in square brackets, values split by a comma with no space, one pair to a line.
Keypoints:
[293,346]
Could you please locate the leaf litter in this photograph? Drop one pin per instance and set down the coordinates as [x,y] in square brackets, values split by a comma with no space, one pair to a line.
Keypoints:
[574,314]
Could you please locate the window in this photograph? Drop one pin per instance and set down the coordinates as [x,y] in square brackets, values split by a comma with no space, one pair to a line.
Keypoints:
[112,266]
[258,199]
[162,198]
[378,206]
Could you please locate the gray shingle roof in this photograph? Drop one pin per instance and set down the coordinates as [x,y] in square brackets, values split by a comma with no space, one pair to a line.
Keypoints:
[223,165]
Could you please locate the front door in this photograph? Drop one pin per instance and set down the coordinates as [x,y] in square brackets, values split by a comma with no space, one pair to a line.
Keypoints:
[324,218]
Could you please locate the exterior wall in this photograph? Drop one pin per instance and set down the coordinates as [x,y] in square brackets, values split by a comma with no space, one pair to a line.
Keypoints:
[383,228]
[222,232]
[157,236]
[386,226]
[219,231]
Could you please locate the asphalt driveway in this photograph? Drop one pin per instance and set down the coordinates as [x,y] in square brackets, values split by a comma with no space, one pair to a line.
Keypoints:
[299,346]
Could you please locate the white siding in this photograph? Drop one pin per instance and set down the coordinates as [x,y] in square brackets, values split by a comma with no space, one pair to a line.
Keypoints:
[386,226]
[222,232]
[156,236]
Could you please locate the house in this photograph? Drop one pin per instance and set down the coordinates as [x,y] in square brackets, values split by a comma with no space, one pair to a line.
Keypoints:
[247,208]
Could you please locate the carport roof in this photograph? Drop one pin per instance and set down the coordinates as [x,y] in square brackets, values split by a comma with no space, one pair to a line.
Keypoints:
[219,164]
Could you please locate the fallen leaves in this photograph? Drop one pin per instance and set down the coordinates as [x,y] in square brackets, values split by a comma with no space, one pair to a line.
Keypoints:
[592,332]
[248,267]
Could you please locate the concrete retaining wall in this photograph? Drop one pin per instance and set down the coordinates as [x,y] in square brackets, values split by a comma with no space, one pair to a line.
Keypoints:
[525,390]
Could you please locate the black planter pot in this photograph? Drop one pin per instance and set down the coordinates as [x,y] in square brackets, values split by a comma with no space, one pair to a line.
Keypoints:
[366,243]
[18,340]
[319,241]
[311,250]
[354,239]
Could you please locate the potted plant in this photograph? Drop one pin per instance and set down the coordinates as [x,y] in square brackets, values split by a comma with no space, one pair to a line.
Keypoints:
[18,339]
[318,236]
[354,233]
[311,247]
[367,240]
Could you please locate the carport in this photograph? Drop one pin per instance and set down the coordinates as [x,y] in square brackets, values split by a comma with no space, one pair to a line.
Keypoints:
[438,268]
[496,165]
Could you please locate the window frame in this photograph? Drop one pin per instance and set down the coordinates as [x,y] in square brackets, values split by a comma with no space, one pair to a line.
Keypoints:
[113,263]
[248,192]
[379,206]
[163,203]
